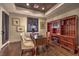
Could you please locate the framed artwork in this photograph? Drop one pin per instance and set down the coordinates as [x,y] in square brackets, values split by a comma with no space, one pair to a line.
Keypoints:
[20,29]
[16,21]
[42,25]
[32,23]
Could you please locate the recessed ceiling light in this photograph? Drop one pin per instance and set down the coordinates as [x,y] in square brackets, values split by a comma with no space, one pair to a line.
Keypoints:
[43,8]
[36,6]
[27,4]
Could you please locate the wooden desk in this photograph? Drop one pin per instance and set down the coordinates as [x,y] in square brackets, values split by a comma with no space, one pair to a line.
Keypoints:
[39,42]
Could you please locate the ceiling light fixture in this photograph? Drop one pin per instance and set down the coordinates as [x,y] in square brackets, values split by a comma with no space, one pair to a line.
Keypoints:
[36,6]
[27,4]
[43,8]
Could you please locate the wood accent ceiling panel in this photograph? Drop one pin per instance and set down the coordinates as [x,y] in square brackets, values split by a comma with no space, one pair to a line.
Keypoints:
[47,6]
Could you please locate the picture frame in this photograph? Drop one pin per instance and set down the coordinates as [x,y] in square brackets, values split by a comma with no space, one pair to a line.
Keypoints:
[42,25]
[20,29]
[16,21]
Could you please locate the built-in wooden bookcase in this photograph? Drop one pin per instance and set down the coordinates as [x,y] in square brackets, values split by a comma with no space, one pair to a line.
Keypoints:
[68,26]
[56,27]
[68,35]
[55,31]
[66,31]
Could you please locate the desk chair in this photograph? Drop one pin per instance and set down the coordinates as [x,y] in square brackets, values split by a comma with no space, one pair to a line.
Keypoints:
[27,45]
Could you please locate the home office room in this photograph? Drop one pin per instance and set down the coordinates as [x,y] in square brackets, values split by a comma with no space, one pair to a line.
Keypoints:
[39,29]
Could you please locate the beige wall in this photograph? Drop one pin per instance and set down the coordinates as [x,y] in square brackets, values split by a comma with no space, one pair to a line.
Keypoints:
[14,35]
[42,31]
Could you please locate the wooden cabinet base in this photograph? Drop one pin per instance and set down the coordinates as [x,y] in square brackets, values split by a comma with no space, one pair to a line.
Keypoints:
[73,51]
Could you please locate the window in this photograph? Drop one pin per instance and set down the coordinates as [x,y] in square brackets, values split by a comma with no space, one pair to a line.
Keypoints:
[32,23]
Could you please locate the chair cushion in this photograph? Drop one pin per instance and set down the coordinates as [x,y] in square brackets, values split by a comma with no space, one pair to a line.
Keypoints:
[27,42]
[27,45]
[28,38]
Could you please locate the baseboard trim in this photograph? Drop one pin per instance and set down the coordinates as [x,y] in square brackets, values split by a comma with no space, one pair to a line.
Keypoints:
[7,43]
[4,45]
[14,41]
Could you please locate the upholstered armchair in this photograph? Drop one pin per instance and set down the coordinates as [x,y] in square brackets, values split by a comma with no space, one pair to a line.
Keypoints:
[27,45]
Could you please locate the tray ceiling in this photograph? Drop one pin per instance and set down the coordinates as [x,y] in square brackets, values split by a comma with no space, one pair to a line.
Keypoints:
[42,7]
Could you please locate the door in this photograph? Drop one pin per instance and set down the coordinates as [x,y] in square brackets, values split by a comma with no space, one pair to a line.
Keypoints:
[5,27]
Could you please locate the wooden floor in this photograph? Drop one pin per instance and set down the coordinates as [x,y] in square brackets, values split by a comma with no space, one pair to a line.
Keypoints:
[56,50]
[14,49]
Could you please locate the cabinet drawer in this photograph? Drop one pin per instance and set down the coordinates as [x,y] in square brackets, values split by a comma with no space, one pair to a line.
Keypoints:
[69,40]
[62,38]
[62,42]
[65,44]
[71,46]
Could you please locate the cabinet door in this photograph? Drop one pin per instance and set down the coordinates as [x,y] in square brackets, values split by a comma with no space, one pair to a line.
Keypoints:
[48,27]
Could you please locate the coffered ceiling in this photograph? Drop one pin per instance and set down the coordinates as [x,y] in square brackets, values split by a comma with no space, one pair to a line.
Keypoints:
[42,7]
